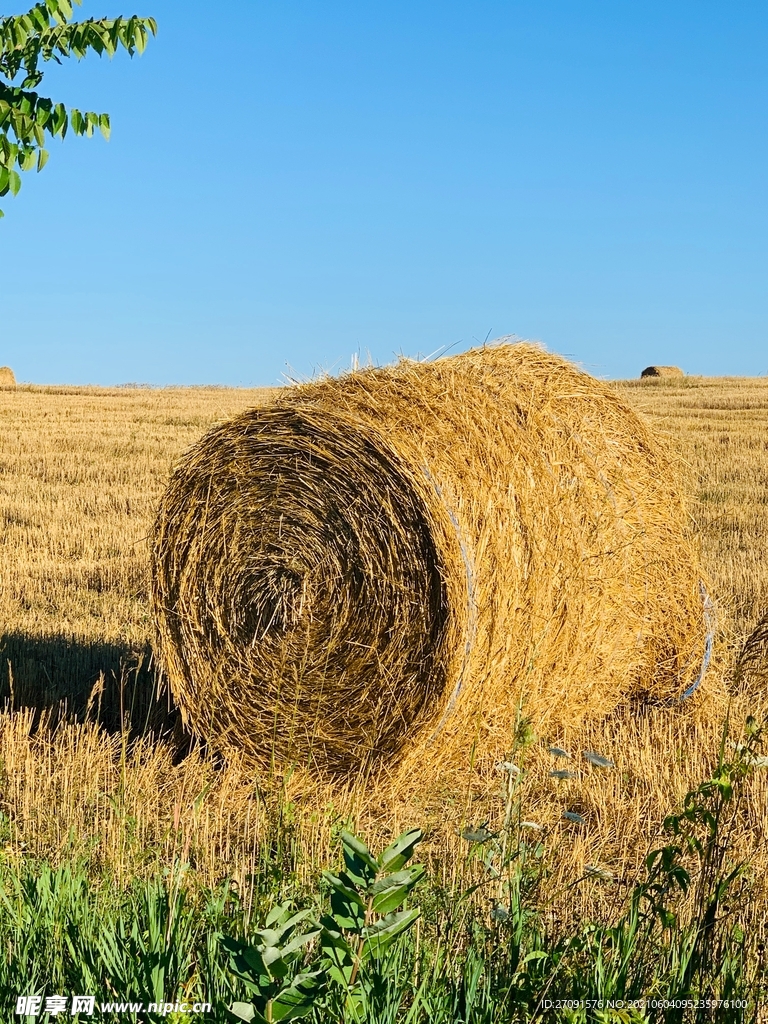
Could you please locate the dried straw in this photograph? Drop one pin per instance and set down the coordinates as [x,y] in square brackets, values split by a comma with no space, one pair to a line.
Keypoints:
[383,567]
[7,377]
[752,661]
[662,371]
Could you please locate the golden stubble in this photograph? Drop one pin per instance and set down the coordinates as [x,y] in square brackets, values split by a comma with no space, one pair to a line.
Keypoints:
[81,474]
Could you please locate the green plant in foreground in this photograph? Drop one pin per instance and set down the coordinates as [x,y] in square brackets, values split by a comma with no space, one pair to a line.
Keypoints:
[677,939]
[366,917]
[267,967]
[488,950]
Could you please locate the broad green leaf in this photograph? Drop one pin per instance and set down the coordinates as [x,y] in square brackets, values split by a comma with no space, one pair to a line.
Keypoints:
[347,915]
[105,126]
[340,884]
[383,933]
[390,892]
[299,941]
[334,945]
[278,914]
[388,901]
[408,876]
[401,851]
[360,863]
[273,961]
[244,1011]
[297,999]
[27,159]
[247,963]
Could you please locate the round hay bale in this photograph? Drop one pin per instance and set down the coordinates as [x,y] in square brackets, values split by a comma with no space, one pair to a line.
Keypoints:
[662,371]
[7,378]
[387,565]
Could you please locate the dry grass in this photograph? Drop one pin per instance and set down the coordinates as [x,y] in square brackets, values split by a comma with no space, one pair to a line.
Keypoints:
[81,472]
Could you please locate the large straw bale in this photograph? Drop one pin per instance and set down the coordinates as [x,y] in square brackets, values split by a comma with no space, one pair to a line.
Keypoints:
[383,567]
[7,377]
[662,371]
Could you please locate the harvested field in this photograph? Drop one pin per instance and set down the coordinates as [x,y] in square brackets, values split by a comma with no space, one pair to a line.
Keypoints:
[81,474]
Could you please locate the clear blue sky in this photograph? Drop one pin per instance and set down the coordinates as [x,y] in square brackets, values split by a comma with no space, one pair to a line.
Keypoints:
[290,181]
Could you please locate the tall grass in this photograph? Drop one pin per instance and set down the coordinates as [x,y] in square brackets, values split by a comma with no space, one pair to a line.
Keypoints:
[675,947]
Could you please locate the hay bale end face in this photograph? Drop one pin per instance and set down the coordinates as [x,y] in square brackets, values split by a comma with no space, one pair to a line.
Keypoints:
[7,378]
[382,567]
[662,371]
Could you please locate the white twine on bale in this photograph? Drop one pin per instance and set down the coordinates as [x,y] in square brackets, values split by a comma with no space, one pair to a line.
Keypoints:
[471,600]
[709,625]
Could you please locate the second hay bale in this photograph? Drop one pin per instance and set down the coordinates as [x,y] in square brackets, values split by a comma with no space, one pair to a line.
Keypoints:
[385,566]
[662,371]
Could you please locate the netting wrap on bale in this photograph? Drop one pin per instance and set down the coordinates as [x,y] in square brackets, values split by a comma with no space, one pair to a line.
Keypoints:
[387,565]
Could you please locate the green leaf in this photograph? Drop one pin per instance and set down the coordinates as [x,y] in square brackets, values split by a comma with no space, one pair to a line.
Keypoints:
[14,182]
[105,126]
[298,998]
[247,963]
[361,865]
[334,946]
[340,885]
[60,120]
[244,1011]
[27,159]
[299,941]
[389,900]
[389,892]
[382,934]
[279,914]
[401,851]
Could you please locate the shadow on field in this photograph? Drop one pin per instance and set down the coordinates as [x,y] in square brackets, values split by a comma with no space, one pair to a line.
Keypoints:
[105,683]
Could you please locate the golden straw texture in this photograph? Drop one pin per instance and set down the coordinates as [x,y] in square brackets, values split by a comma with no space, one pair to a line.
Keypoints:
[383,567]
[752,662]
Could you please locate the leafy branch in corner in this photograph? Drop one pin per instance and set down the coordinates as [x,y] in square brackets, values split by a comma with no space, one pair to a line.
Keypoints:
[48,33]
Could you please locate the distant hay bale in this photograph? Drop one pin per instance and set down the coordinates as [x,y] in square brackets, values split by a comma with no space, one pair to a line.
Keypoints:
[7,378]
[662,371]
[383,567]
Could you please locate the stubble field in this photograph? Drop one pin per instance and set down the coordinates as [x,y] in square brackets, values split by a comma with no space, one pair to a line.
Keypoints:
[105,769]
